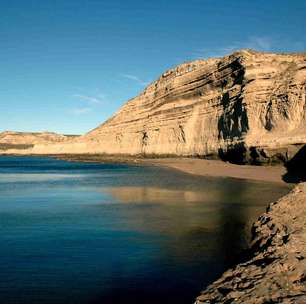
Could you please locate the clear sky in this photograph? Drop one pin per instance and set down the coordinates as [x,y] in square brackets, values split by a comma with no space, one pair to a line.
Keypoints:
[67,65]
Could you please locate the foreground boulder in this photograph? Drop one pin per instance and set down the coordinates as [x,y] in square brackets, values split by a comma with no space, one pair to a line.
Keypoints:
[277,271]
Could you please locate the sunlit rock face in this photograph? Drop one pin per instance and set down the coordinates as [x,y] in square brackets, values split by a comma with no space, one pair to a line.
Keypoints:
[249,102]
[203,106]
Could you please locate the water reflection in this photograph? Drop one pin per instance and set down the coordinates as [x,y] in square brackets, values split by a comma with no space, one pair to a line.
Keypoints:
[202,230]
[214,221]
[227,205]
[160,195]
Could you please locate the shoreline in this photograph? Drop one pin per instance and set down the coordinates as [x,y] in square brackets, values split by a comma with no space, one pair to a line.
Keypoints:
[194,166]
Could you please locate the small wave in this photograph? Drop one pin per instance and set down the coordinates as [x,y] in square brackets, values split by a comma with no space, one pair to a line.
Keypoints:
[35,177]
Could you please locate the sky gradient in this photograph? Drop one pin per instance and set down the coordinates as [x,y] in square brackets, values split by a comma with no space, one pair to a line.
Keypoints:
[66,66]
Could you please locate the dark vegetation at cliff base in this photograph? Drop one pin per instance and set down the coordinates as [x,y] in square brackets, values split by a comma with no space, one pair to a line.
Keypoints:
[4,147]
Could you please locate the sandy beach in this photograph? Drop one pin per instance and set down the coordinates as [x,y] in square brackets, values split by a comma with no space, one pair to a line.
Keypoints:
[219,168]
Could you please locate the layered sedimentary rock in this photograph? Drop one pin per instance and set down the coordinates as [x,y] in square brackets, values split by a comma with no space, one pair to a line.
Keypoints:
[249,102]
[277,271]
[23,140]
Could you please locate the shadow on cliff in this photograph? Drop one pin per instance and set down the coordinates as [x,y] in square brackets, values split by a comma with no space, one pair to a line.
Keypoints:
[296,167]
[234,121]
[233,124]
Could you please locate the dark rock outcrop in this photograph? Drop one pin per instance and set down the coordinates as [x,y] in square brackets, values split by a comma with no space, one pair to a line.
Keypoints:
[296,167]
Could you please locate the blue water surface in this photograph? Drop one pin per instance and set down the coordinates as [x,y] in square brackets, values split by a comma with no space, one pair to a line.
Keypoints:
[115,233]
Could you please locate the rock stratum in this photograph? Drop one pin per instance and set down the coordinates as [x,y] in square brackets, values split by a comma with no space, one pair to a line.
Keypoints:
[249,102]
[277,271]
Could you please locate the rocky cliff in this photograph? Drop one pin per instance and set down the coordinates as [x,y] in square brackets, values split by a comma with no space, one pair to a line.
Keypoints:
[277,271]
[207,107]
[248,102]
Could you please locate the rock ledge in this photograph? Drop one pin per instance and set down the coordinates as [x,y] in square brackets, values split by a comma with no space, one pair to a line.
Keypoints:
[277,271]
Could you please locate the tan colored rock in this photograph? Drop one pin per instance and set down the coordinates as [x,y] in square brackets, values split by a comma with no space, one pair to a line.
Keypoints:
[277,271]
[202,106]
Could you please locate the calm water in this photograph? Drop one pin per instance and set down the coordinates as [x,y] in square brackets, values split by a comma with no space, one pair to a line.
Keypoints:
[92,233]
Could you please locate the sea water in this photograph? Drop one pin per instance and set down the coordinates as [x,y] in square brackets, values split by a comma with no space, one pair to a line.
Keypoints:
[116,233]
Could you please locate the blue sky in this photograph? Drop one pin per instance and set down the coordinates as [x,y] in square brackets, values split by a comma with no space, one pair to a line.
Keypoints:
[66,66]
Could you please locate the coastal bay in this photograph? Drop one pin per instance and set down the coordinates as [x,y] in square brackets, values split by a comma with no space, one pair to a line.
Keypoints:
[119,233]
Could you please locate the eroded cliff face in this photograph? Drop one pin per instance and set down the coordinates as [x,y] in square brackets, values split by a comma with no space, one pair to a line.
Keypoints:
[249,101]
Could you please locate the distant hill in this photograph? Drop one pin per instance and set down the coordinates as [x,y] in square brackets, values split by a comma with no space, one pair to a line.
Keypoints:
[26,140]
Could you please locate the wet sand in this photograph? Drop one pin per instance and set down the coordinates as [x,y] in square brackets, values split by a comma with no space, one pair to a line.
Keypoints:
[223,169]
